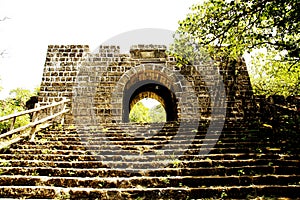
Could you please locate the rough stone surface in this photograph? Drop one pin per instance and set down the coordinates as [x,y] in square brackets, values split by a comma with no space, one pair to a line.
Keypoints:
[103,84]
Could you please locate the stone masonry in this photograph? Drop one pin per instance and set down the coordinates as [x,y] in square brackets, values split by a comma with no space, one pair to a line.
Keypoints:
[105,84]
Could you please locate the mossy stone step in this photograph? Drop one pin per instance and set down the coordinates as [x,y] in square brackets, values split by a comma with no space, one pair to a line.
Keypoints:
[135,158]
[110,150]
[70,162]
[174,169]
[150,193]
[185,164]
[148,181]
[105,144]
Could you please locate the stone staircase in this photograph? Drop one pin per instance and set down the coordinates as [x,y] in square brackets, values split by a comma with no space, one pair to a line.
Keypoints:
[129,161]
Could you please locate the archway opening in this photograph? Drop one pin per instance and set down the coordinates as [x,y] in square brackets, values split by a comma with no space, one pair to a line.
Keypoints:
[148,110]
[140,92]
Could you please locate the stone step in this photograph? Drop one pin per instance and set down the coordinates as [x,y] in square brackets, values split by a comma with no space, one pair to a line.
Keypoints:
[157,148]
[147,126]
[173,170]
[62,163]
[148,181]
[182,163]
[141,128]
[91,140]
[192,149]
[168,131]
[134,134]
[176,142]
[219,142]
[234,123]
[136,153]
[126,157]
[104,141]
[232,192]
[124,136]
[109,150]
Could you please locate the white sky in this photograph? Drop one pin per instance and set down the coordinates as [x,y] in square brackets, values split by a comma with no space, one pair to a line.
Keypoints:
[34,24]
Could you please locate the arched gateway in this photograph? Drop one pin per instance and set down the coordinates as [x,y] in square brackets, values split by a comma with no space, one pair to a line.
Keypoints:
[150,89]
[105,84]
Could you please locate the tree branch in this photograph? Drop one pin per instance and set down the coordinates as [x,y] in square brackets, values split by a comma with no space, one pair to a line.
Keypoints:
[237,18]
[294,63]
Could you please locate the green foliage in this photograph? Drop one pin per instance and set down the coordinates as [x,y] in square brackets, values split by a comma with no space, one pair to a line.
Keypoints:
[232,28]
[139,113]
[20,96]
[142,114]
[243,25]
[270,76]
[157,114]
[16,102]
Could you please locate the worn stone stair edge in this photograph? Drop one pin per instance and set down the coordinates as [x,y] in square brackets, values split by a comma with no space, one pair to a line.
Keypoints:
[151,181]
[133,193]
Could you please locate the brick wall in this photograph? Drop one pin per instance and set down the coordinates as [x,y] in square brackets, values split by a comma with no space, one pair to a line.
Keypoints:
[60,72]
[100,84]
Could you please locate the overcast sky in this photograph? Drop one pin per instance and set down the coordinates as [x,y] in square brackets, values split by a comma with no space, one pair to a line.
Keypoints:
[34,24]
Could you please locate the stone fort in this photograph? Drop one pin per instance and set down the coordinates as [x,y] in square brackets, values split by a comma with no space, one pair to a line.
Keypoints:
[97,154]
[106,84]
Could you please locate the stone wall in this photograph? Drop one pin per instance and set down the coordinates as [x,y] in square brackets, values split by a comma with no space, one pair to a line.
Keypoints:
[103,85]
[60,72]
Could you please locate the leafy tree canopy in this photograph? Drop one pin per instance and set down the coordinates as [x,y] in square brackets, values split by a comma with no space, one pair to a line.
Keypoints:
[157,114]
[140,113]
[16,102]
[233,27]
[20,96]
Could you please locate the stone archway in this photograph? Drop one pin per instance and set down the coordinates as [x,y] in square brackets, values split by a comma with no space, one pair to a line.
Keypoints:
[143,80]
[150,89]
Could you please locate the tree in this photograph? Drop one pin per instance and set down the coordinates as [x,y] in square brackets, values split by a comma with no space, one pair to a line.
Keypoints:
[16,102]
[139,113]
[233,27]
[20,96]
[269,76]
[157,113]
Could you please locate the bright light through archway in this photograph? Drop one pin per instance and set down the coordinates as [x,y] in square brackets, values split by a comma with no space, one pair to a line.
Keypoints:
[147,110]
[149,102]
